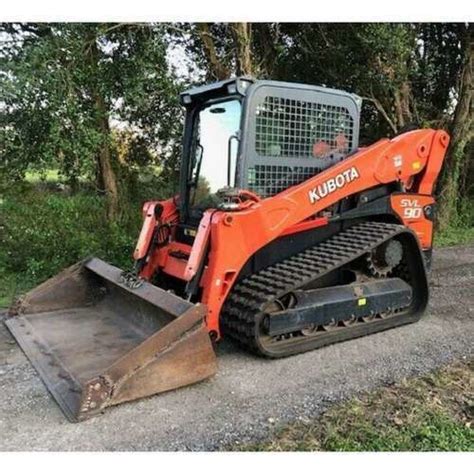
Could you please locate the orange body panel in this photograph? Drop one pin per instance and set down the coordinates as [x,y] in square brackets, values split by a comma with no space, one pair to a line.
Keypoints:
[148,227]
[200,244]
[411,208]
[169,215]
[233,237]
[172,265]
[305,225]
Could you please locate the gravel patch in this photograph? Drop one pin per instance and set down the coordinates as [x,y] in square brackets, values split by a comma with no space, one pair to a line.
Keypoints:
[249,397]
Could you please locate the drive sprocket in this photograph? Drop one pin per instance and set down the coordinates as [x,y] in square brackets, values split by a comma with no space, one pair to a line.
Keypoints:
[384,258]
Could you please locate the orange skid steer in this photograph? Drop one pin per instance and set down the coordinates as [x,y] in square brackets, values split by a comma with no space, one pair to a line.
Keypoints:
[285,236]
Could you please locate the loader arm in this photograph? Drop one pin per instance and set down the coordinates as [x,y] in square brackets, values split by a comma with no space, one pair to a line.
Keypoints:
[236,236]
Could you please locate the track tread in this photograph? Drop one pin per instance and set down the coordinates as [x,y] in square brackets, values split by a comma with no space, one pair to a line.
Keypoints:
[245,304]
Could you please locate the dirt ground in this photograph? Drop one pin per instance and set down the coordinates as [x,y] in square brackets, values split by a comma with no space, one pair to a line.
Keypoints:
[249,396]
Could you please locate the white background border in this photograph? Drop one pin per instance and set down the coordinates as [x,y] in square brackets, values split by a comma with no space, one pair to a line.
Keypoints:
[238,10]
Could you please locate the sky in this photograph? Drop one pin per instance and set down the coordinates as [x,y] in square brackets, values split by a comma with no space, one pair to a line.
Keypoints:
[215,132]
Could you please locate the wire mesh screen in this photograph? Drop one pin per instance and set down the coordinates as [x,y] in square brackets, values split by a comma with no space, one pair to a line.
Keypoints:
[268,180]
[295,128]
[287,129]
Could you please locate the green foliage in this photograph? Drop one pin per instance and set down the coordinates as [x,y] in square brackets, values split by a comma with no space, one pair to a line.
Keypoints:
[53,78]
[461,227]
[9,287]
[44,228]
[453,235]
[43,232]
[380,62]
[438,67]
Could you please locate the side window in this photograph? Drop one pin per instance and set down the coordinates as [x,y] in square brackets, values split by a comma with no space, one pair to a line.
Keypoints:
[292,128]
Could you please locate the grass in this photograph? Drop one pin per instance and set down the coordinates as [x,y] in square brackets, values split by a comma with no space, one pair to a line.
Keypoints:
[454,236]
[8,288]
[47,175]
[461,228]
[430,413]
[43,232]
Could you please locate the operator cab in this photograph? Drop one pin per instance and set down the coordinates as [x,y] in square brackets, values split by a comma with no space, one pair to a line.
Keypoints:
[261,136]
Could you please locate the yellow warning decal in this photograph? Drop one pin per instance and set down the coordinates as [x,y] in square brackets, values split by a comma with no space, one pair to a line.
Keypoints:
[361,301]
[416,165]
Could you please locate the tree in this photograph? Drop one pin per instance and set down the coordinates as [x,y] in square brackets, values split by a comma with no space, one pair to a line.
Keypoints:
[462,133]
[221,50]
[244,62]
[66,85]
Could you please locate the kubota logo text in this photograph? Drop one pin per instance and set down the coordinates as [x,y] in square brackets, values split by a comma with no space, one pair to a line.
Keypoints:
[329,186]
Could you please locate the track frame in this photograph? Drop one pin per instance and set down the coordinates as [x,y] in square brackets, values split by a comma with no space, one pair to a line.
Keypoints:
[246,309]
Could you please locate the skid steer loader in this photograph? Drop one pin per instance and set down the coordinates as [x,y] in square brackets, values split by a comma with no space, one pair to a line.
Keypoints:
[285,236]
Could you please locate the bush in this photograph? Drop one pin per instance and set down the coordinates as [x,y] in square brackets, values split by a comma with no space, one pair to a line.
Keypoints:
[42,232]
[461,229]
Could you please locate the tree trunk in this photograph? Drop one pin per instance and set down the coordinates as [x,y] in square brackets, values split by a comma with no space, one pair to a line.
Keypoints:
[105,171]
[462,132]
[242,33]
[402,105]
[105,160]
[266,37]
[217,69]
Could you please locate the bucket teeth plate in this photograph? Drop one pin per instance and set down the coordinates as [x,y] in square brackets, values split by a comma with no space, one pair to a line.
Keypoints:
[96,342]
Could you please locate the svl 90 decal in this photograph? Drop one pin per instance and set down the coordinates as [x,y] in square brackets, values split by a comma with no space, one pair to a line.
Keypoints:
[412,209]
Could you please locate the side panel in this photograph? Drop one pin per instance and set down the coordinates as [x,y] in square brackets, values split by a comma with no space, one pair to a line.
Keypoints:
[416,212]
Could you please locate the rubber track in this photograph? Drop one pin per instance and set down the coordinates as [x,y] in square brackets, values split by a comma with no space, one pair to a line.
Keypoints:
[243,309]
